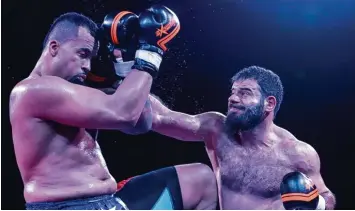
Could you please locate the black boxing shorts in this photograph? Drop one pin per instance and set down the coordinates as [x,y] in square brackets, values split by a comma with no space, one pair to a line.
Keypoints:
[156,190]
[104,202]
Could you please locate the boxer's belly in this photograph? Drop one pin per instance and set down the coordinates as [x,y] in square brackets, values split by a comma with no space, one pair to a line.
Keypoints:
[247,201]
[67,171]
[62,184]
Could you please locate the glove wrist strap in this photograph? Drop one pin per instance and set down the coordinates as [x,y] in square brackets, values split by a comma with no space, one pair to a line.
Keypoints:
[149,56]
[147,61]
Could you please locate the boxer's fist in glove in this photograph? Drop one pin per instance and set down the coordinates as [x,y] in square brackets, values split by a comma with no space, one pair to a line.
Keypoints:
[118,31]
[158,26]
[299,193]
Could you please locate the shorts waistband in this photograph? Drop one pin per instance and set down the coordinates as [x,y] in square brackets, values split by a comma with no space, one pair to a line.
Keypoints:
[68,203]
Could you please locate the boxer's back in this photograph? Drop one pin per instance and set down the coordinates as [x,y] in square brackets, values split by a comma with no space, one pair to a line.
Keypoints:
[56,162]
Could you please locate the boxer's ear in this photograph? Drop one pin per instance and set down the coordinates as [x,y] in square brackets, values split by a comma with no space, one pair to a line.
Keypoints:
[270,103]
[53,47]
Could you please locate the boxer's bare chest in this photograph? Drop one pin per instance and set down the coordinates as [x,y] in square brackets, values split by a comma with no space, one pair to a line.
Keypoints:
[251,171]
[63,145]
[78,142]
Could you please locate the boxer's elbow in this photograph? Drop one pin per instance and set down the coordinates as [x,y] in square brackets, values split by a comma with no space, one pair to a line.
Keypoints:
[120,117]
[143,125]
[109,119]
[135,130]
[126,119]
[129,116]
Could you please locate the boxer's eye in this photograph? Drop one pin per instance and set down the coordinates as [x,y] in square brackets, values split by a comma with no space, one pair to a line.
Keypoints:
[245,93]
[84,53]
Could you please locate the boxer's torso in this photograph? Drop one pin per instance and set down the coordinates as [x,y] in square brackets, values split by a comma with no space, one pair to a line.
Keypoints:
[250,178]
[57,162]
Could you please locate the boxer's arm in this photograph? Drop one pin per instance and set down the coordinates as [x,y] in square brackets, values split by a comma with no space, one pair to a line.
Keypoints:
[310,165]
[144,123]
[57,100]
[179,125]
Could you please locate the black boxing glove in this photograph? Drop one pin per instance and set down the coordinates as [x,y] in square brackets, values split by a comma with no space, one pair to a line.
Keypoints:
[120,30]
[299,193]
[158,26]
[117,31]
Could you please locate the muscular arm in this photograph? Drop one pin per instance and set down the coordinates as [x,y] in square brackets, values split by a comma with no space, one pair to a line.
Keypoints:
[144,123]
[310,165]
[179,125]
[54,99]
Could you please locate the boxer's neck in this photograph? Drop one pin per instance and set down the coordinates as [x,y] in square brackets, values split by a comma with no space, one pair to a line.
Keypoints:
[38,69]
[42,67]
[258,136]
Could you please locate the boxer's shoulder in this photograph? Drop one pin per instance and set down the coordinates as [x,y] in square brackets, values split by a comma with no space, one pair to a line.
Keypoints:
[305,157]
[284,135]
[25,92]
[29,85]
[301,155]
[301,148]
[20,92]
[212,120]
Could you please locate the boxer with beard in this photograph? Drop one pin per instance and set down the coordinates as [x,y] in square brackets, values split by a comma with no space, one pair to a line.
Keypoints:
[258,165]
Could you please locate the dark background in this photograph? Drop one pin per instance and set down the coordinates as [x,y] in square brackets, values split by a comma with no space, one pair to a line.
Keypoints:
[309,43]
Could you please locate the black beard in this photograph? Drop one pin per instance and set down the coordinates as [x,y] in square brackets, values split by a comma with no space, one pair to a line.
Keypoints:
[249,119]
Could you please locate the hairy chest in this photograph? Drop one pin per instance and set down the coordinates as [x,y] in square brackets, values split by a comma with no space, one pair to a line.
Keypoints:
[258,172]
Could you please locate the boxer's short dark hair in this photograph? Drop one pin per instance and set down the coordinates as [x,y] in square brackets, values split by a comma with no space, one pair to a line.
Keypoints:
[66,27]
[269,82]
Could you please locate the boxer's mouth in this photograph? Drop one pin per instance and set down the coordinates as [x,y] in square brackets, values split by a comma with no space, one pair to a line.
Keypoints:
[236,108]
[82,76]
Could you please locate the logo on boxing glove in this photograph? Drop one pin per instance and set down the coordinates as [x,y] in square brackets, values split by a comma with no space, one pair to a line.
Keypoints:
[158,26]
[163,32]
